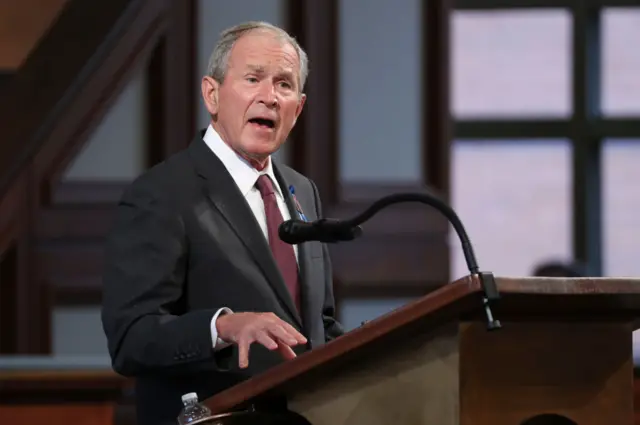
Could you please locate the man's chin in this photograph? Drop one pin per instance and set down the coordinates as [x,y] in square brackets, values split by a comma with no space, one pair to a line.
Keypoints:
[261,148]
[258,153]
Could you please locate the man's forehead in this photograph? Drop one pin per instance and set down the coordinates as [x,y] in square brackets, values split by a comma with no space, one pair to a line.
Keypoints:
[265,63]
[273,67]
[264,47]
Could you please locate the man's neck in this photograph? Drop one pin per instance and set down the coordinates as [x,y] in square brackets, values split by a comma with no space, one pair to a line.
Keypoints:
[257,163]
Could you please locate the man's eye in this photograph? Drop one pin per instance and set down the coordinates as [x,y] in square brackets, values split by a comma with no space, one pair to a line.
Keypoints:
[252,79]
[285,84]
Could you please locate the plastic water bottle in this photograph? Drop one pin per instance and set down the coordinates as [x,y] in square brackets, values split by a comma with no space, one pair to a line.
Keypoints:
[193,412]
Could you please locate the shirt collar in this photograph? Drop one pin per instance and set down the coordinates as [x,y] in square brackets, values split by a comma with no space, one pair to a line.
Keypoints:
[242,172]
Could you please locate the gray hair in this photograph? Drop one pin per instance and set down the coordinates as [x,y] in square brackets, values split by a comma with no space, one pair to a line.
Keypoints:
[219,60]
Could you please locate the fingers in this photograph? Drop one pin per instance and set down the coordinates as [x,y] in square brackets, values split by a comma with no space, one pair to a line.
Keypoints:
[262,338]
[268,340]
[243,353]
[293,332]
[286,352]
[285,337]
[265,329]
[265,339]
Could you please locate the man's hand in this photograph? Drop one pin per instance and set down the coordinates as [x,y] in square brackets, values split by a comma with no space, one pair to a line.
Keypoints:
[267,329]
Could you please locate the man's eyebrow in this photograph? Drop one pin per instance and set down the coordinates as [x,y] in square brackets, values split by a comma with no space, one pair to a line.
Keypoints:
[286,73]
[256,68]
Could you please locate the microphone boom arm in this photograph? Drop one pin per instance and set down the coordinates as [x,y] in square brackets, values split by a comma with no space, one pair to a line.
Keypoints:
[487,279]
[430,200]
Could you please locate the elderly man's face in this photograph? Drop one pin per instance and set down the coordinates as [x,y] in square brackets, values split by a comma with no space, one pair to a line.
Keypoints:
[259,101]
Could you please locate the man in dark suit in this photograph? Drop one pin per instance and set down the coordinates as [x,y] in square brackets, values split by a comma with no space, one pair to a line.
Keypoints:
[199,292]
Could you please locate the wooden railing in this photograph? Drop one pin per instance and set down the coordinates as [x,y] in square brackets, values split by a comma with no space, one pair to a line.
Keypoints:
[43,390]
[48,110]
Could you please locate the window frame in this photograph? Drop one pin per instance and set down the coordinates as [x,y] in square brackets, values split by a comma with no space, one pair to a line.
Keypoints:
[586,127]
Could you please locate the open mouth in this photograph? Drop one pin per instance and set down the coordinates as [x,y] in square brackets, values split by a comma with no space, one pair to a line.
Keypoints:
[263,123]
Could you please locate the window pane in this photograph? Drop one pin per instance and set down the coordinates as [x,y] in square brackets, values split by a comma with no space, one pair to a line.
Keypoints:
[117,148]
[621,196]
[379,90]
[621,61]
[77,331]
[354,311]
[514,198]
[511,63]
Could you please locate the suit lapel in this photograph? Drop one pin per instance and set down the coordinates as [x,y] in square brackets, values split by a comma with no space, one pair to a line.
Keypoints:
[304,257]
[227,199]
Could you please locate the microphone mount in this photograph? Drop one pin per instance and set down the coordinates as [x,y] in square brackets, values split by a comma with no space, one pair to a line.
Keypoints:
[487,279]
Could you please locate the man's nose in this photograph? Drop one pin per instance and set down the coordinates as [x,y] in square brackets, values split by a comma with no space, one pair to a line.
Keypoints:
[267,95]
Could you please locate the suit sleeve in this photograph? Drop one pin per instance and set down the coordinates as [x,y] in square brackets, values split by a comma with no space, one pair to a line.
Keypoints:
[332,328]
[143,314]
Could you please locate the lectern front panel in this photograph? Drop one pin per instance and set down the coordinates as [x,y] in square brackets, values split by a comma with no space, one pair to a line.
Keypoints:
[581,372]
[413,383]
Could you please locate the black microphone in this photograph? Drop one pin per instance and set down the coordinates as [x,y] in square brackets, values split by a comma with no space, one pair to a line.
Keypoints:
[331,231]
[324,230]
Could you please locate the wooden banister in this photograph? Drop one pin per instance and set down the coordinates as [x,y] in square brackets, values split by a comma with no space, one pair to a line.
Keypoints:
[60,390]
[22,24]
[84,57]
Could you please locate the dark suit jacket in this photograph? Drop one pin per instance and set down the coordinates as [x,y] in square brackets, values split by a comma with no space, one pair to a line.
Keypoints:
[184,244]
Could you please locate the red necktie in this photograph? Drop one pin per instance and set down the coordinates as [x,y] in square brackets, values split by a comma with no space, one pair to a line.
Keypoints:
[282,252]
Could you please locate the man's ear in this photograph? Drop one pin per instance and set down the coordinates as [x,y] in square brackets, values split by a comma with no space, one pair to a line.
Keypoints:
[210,91]
[303,98]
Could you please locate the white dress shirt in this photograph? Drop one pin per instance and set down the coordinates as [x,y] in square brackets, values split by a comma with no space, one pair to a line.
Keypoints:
[245,176]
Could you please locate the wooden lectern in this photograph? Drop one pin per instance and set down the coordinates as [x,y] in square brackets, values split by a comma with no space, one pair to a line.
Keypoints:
[564,350]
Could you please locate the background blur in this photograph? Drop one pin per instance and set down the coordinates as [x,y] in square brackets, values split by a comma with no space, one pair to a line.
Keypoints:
[524,114]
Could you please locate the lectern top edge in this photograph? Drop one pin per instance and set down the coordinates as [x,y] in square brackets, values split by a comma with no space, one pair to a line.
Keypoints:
[562,285]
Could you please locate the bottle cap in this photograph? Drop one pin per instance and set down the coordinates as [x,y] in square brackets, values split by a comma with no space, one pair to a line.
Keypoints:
[189,397]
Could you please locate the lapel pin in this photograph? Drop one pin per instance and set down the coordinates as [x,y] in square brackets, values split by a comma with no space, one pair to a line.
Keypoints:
[292,190]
